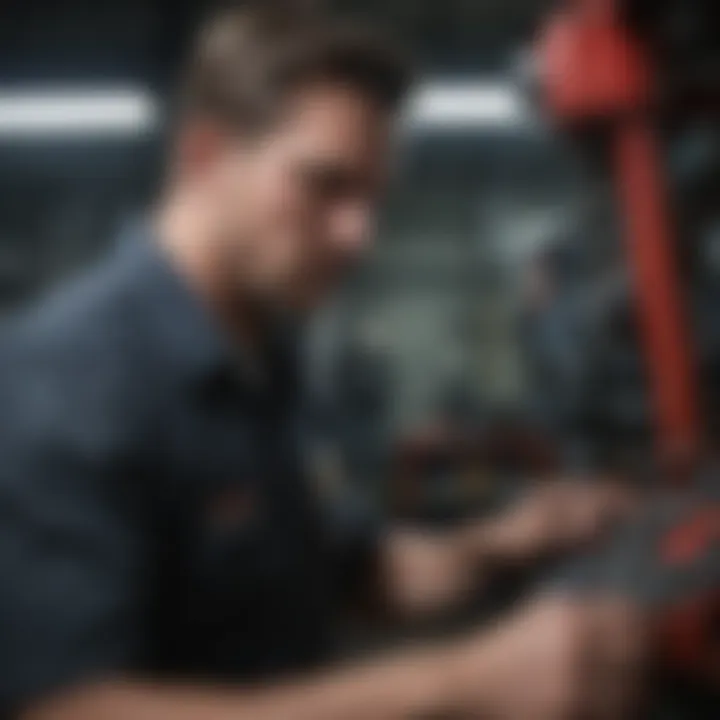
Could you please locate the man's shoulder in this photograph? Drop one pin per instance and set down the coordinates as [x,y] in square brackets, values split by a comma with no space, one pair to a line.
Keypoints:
[91,313]
[75,358]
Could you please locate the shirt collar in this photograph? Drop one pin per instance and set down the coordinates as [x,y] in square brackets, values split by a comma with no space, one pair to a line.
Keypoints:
[180,327]
[184,329]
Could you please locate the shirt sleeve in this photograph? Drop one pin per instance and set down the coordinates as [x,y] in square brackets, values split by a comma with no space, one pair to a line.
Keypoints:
[70,555]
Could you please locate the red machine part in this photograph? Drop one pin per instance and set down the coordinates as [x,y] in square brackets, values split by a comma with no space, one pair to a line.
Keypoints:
[690,626]
[665,327]
[596,74]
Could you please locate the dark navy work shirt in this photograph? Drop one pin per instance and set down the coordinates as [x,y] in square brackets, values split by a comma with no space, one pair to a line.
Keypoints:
[154,518]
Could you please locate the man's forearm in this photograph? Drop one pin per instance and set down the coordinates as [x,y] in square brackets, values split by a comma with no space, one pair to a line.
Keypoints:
[418,685]
[556,658]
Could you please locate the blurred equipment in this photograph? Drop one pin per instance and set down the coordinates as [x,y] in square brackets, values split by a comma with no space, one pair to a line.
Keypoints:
[615,74]
[465,467]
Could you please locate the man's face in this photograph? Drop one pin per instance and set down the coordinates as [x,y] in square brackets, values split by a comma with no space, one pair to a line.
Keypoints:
[298,205]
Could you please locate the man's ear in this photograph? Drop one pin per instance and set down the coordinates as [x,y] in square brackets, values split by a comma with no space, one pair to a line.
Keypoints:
[200,143]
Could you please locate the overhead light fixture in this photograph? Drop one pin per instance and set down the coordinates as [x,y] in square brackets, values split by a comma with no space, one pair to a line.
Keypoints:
[466,105]
[61,114]
[127,112]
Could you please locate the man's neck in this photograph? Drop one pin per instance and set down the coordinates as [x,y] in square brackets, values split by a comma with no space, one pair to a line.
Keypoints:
[190,242]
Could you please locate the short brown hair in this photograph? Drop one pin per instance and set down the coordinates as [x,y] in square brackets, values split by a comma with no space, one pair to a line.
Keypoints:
[247,60]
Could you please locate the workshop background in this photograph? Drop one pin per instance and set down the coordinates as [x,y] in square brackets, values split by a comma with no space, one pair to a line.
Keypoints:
[477,315]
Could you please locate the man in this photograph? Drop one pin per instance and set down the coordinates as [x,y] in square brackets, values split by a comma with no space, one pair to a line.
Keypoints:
[161,556]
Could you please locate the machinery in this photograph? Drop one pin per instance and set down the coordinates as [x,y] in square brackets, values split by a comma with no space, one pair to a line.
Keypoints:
[619,75]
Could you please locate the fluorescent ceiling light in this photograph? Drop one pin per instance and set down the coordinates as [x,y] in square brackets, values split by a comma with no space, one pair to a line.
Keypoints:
[466,105]
[127,112]
[56,113]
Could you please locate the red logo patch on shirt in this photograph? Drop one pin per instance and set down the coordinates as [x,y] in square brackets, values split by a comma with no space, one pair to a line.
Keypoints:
[232,509]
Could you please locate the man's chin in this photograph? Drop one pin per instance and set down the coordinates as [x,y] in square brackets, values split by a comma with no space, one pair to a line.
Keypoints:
[311,299]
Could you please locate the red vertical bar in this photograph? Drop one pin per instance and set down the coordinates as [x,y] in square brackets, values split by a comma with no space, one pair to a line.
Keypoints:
[664,326]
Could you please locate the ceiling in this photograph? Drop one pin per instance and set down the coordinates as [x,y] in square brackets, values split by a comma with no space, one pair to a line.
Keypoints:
[81,39]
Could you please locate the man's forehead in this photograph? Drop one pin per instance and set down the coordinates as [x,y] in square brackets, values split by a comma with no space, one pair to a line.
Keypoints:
[328,113]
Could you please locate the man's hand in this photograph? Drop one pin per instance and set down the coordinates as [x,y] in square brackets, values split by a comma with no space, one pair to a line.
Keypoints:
[555,517]
[424,574]
[559,659]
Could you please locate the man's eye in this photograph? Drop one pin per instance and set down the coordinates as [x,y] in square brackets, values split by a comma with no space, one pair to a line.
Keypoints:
[329,184]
